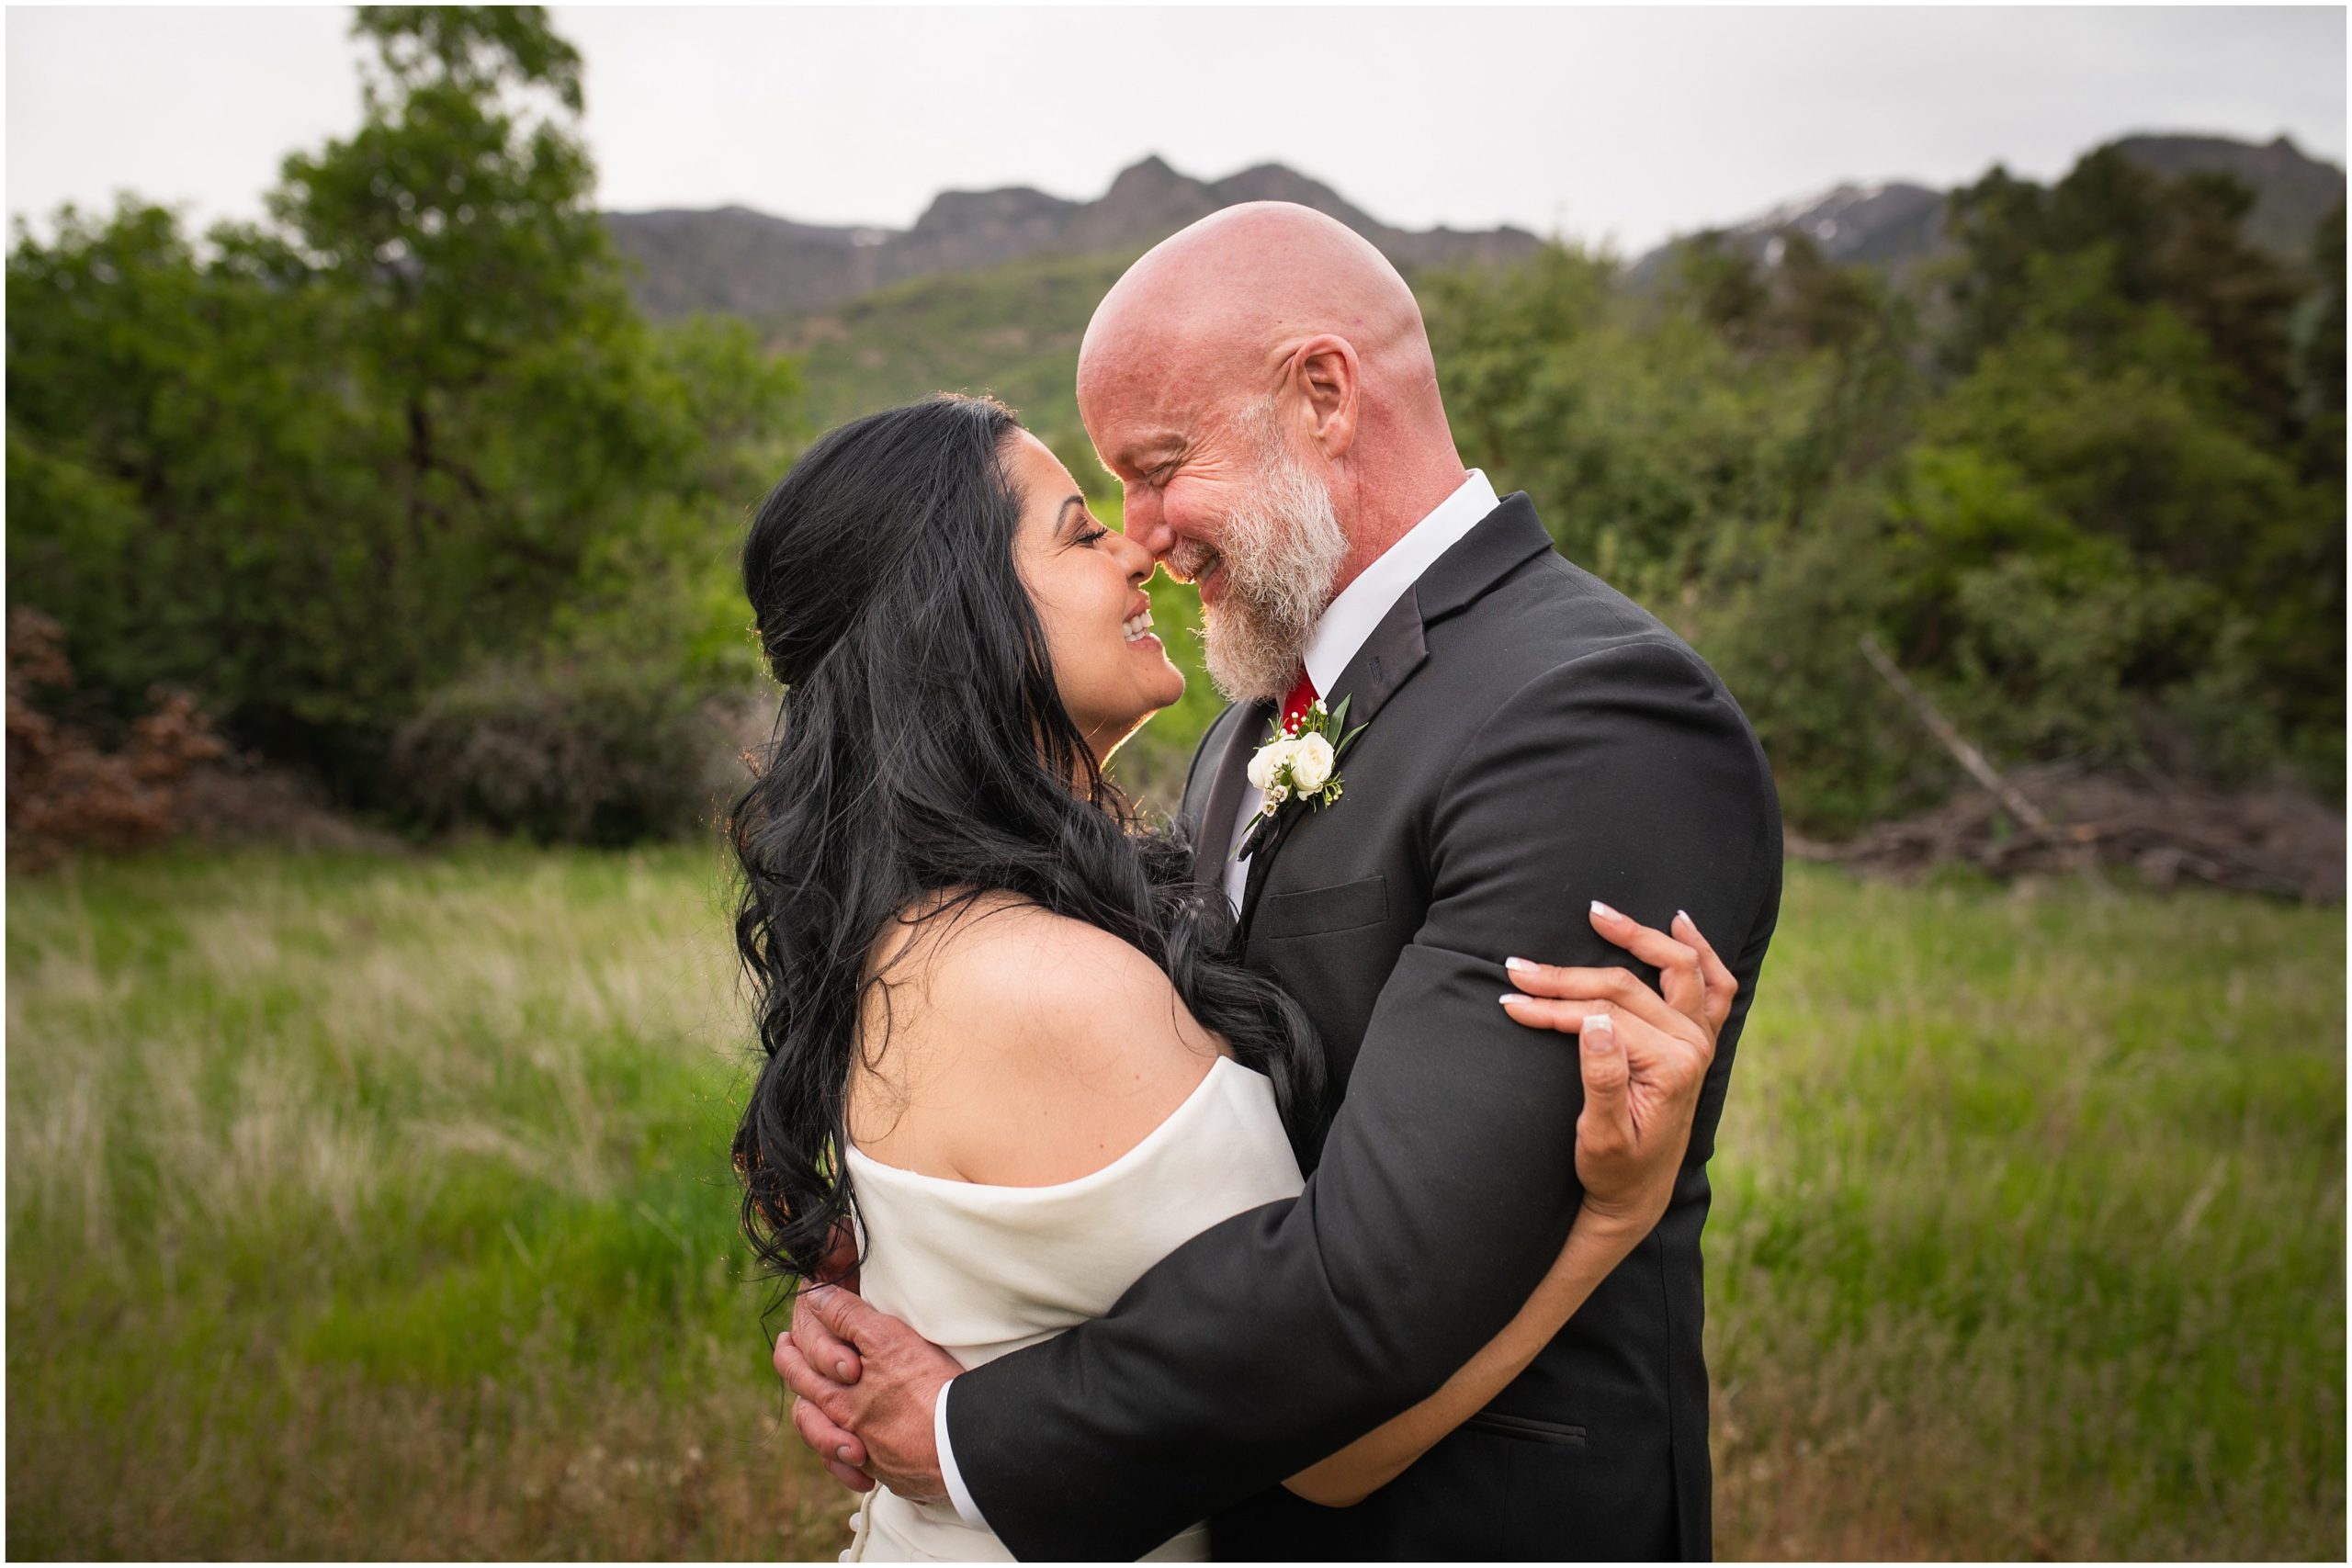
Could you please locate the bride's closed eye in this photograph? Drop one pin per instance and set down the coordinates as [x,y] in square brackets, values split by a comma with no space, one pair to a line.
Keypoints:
[1091,535]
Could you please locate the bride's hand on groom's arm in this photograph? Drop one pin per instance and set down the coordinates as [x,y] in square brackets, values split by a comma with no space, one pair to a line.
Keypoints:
[1629,1144]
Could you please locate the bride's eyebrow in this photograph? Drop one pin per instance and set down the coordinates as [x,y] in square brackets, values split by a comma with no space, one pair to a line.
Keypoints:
[1062,520]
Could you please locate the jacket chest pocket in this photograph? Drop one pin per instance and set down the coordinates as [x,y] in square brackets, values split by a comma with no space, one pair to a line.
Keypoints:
[1311,911]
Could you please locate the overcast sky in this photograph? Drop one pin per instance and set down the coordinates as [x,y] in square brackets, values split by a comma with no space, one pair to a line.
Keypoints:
[1625,125]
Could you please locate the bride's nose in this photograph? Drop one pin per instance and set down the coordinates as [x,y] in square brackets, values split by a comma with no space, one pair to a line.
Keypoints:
[1138,560]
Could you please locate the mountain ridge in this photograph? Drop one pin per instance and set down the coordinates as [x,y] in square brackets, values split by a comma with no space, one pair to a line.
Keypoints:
[740,260]
[1897,224]
[746,263]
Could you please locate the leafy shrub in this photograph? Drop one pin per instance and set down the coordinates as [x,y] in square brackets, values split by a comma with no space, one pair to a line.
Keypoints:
[590,751]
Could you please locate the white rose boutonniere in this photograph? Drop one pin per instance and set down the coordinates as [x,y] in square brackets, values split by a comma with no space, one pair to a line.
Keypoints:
[1311,758]
[1298,762]
[1266,761]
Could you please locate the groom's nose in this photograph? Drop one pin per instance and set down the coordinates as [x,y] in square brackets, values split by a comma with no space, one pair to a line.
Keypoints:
[1145,521]
[1139,563]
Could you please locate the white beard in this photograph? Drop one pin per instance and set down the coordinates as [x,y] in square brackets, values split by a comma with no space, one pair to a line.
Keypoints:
[1282,552]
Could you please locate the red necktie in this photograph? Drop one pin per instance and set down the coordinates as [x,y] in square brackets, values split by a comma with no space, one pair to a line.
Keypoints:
[1301,698]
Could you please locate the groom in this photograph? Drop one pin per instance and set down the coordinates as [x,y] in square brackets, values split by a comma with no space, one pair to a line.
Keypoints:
[1263,386]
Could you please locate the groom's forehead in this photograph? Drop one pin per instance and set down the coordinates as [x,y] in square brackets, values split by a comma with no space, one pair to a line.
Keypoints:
[1138,381]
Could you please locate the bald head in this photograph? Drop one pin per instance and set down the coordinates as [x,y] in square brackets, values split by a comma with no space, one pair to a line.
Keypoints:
[1223,299]
[1263,325]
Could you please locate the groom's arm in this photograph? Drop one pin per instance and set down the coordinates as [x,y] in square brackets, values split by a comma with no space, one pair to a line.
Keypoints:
[1448,1182]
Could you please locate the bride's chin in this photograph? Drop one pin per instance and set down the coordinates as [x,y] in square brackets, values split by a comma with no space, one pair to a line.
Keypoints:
[1126,730]
[1145,716]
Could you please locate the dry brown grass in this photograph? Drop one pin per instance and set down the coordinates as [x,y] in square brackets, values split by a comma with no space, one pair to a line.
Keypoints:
[272,1461]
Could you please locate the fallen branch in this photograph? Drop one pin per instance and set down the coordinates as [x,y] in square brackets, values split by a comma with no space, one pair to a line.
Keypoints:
[2018,807]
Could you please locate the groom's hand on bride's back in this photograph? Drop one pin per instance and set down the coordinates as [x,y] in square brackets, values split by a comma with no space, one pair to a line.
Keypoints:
[866,1387]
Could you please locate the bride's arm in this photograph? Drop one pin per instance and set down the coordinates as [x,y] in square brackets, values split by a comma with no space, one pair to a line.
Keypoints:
[1641,1091]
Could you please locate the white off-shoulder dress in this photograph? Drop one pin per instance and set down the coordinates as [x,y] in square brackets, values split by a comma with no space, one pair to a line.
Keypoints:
[982,1270]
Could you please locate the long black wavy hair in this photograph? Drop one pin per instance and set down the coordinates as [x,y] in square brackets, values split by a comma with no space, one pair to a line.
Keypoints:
[921,750]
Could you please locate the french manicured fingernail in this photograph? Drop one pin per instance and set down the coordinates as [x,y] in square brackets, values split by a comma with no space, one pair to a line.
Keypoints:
[1511,997]
[1604,911]
[1527,965]
[843,1452]
[1684,915]
[1598,1031]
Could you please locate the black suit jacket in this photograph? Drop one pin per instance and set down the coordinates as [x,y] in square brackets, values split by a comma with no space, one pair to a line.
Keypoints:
[1534,741]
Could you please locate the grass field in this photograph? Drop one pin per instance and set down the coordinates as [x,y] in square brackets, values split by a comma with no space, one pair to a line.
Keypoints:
[378,1208]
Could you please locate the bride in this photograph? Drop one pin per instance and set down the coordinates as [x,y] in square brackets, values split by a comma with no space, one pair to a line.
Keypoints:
[1010,1047]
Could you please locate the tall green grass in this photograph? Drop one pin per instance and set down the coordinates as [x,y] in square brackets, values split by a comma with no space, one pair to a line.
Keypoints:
[365,1208]
[2029,1229]
[372,1207]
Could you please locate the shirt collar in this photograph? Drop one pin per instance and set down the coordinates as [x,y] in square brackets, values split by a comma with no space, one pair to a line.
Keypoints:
[1359,607]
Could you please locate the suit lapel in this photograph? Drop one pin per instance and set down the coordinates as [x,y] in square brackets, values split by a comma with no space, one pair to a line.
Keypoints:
[1213,834]
[1388,657]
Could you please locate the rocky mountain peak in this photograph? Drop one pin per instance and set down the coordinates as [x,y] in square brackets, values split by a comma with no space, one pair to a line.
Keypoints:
[1149,195]
[952,210]
[1151,172]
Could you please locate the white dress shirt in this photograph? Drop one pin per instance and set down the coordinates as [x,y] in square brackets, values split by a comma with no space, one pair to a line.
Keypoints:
[1339,633]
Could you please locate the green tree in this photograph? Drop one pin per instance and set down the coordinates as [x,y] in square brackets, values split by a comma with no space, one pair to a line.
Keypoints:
[2149,242]
[179,459]
[2318,347]
[322,466]
[2159,388]
[2089,490]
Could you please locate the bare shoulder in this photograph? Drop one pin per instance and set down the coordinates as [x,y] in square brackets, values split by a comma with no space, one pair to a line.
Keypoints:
[1061,977]
[1031,1048]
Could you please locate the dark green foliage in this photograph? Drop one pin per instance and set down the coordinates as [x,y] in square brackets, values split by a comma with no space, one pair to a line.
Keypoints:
[409,428]
[2089,488]
[2319,352]
[2093,254]
[1634,434]
[599,750]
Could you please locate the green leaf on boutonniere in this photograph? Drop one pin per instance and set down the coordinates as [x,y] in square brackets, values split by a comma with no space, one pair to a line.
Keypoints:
[1340,723]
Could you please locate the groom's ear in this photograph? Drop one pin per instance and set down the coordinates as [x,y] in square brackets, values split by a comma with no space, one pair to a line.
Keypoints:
[1327,381]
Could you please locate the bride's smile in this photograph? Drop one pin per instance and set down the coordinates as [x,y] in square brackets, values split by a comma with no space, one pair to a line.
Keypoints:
[1086,582]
